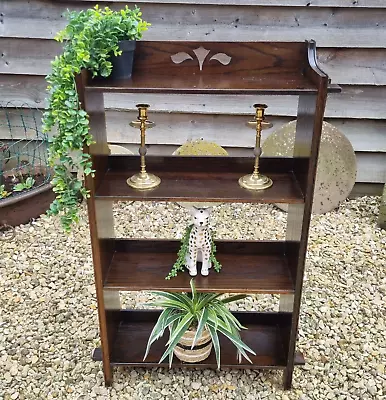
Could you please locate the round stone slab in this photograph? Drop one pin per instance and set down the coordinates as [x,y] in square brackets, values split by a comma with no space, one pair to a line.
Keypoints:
[336,172]
[116,149]
[199,147]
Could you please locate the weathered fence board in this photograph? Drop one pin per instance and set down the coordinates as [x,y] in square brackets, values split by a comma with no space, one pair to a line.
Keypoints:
[353,102]
[370,166]
[204,14]
[351,37]
[330,28]
[364,135]
[231,130]
[280,3]
[27,56]
[325,37]
[354,66]
[344,66]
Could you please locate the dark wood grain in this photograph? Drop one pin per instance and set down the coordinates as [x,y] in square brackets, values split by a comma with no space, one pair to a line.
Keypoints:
[307,140]
[100,218]
[267,85]
[247,267]
[203,179]
[262,267]
[248,59]
[255,68]
[263,336]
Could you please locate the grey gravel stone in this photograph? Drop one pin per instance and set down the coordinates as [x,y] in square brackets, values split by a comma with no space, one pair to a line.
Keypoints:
[7,377]
[196,385]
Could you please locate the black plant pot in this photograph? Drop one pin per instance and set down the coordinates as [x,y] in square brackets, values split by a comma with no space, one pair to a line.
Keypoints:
[123,64]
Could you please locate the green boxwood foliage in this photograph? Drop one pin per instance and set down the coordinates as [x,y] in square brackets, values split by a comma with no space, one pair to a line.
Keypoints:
[89,39]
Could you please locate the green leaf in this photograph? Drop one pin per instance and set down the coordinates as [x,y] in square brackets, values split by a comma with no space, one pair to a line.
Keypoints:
[234,298]
[216,344]
[206,299]
[235,339]
[200,326]
[180,300]
[193,289]
[221,313]
[212,317]
[176,335]
[158,330]
[19,187]
[89,39]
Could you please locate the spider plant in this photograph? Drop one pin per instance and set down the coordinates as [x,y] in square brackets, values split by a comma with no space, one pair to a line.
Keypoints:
[184,311]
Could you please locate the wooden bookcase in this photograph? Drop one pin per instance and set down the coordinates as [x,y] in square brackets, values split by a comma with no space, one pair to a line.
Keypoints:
[263,266]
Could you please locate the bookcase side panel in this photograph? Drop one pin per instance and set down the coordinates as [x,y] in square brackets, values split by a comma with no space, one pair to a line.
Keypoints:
[100,215]
[308,133]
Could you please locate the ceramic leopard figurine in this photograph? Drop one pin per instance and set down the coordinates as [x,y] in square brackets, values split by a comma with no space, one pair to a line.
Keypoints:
[200,242]
[197,246]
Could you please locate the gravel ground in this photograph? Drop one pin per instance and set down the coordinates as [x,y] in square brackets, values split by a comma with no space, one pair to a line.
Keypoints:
[48,316]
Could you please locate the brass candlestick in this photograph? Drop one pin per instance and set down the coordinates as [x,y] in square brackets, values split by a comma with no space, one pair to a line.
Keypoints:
[143,180]
[256,181]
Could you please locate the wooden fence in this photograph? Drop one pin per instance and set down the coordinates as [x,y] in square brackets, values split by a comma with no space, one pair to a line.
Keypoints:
[351,40]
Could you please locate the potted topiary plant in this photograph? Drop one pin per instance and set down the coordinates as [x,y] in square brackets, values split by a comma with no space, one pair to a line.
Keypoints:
[90,39]
[194,321]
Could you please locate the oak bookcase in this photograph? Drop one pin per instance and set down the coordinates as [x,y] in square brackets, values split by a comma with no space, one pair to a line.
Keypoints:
[247,68]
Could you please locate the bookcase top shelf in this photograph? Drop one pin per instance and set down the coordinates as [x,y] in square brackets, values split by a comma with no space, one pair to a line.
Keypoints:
[219,68]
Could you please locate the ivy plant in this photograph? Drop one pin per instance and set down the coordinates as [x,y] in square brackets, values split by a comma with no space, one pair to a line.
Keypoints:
[89,39]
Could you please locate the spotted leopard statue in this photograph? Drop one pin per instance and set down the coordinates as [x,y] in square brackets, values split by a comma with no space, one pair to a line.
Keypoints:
[197,246]
[200,242]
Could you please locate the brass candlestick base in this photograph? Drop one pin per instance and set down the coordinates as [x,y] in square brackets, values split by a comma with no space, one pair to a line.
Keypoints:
[255,182]
[143,181]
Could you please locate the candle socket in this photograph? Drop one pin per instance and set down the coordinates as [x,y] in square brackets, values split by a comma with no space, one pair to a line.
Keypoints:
[257,181]
[143,180]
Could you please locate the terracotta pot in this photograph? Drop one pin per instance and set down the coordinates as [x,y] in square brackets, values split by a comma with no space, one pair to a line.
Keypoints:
[199,352]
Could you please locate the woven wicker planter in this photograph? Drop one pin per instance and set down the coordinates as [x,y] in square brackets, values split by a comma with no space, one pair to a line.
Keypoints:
[199,352]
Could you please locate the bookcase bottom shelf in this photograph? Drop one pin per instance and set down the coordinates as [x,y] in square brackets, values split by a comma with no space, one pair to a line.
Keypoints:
[264,335]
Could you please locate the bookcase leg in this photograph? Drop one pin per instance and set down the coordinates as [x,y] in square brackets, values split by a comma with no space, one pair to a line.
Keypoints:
[308,132]
[287,378]
[108,374]
[109,327]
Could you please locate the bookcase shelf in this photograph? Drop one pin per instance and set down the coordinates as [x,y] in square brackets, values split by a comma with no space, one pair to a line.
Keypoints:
[274,267]
[213,179]
[247,267]
[265,333]
[269,69]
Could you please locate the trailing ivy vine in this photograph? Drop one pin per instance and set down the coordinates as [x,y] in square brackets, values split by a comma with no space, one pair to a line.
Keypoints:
[89,39]
[179,265]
